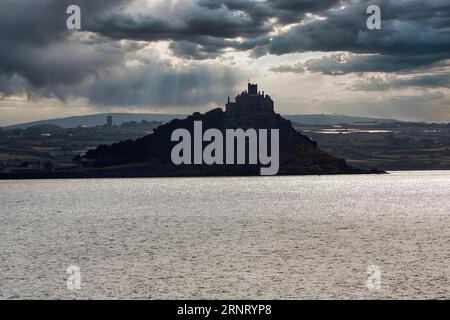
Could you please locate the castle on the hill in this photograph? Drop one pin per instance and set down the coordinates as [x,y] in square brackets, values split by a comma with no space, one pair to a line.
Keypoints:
[249,102]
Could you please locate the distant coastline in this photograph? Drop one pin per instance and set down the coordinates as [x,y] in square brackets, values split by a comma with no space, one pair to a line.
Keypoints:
[120,118]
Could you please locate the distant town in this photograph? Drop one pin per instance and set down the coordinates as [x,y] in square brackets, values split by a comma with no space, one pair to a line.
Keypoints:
[47,147]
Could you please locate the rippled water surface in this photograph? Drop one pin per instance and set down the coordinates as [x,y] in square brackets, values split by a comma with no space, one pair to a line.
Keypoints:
[278,237]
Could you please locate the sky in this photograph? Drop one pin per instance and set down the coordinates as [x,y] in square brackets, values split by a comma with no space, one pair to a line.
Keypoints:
[182,56]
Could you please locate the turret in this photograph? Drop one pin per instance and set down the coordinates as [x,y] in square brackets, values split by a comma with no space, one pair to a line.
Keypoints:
[252,88]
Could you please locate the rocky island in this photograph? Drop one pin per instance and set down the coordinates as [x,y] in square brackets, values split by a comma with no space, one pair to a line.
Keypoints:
[150,156]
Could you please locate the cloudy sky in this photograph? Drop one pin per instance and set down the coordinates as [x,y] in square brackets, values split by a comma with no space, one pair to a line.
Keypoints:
[180,56]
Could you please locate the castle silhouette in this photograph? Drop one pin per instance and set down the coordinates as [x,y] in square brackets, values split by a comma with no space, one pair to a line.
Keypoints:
[249,102]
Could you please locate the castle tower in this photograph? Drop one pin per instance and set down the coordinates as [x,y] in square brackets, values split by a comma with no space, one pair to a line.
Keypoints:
[250,102]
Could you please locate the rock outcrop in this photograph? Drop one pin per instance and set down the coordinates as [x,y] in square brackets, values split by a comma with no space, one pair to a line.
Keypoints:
[150,156]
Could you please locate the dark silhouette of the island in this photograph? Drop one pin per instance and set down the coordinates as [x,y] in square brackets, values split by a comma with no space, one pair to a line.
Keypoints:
[150,156]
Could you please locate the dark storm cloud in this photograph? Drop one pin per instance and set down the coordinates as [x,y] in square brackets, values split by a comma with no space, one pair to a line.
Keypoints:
[189,24]
[402,32]
[36,46]
[413,34]
[39,56]
[284,11]
[291,11]
[206,26]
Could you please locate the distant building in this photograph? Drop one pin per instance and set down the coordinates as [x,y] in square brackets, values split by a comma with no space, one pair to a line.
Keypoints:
[250,102]
[109,121]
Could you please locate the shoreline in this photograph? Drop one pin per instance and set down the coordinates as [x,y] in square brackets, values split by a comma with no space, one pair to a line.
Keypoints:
[90,175]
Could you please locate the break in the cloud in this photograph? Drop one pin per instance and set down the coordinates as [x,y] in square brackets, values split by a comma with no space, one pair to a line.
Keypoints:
[344,63]
[157,54]
[427,81]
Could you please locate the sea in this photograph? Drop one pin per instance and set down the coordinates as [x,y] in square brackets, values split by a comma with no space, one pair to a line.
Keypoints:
[297,237]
